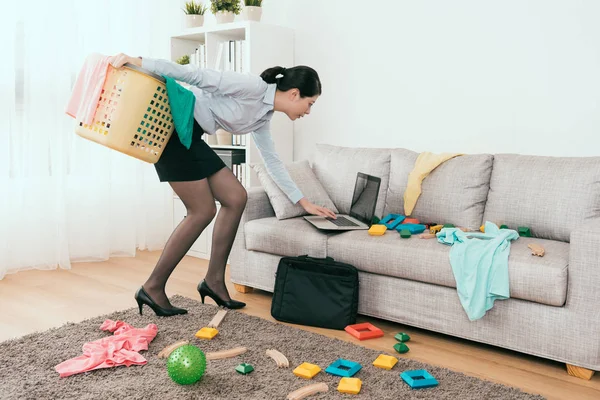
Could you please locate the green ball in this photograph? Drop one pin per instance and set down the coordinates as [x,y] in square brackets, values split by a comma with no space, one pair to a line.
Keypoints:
[186,364]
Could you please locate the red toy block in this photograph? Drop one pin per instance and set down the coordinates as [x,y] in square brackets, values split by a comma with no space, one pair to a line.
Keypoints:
[411,221]
[364,331]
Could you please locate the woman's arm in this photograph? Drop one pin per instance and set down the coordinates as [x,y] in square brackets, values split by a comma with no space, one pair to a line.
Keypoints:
[225,82]
[278,172]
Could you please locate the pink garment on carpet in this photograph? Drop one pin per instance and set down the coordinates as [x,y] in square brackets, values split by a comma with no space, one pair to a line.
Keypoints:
[88,88]
[120,349]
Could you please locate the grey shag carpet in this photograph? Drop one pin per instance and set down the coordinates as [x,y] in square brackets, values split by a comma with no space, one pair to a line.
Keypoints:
[27,363]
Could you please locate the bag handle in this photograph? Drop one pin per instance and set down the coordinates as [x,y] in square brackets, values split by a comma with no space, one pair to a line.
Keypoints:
[328,260]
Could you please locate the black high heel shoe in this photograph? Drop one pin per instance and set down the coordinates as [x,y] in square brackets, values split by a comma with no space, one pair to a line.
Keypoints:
[204,291]
[142,298]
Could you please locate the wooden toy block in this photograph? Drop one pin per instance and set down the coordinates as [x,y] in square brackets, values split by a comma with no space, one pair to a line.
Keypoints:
[385,362]
[206,333]
[377,230]
[401,348]
[524,231]
[435,228]
[418,379]
[364,331]
[307,370]
[405,234]
[217,355]
[345,368]
[244,368]
[536,249]
[279,358]
[392,220]
[402,337]
[308,390]
[166,352]
[413,228]
[412,221]
[217,319]
[427,235]
[349,385]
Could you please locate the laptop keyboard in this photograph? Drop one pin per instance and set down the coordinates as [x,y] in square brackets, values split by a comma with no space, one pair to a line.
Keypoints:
[341,221]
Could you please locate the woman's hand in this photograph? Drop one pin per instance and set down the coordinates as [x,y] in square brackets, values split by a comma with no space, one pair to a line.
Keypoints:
[315,209]
[121,59]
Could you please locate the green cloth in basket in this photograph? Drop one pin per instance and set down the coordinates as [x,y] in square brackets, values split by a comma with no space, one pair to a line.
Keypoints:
[182,103]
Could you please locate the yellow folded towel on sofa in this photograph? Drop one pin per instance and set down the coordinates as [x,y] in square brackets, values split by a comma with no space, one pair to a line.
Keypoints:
[426,162]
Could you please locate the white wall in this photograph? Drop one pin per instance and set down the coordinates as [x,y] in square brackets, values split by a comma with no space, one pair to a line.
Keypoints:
[461,75]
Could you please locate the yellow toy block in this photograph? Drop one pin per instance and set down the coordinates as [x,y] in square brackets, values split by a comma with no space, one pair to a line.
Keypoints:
[435,228]
[350,385]
[377,230]
[307,370]
[206,333]
[482,228]
[385,361]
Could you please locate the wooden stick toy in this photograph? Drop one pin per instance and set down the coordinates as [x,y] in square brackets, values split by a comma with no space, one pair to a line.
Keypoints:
[166,352]
[217,355]
[308,391]
[536,249]
[214,323]
[279,358]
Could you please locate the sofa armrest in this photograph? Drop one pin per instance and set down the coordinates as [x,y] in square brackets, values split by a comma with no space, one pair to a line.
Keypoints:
[584,269]
[258,205]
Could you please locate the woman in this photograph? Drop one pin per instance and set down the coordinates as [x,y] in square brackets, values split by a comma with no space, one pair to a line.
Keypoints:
[240,104]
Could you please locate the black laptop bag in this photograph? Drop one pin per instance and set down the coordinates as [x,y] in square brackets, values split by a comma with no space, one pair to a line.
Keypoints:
[316,292]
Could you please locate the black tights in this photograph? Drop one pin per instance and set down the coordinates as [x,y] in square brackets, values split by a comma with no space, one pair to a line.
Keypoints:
[199,200]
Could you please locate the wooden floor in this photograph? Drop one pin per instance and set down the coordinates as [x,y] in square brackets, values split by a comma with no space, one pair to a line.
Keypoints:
[37,300]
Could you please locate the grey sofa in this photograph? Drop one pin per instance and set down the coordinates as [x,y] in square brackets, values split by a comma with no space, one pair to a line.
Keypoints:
[553,311]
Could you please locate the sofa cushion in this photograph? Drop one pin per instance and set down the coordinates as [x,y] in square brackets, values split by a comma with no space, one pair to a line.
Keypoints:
[290,237]
[538,279]
[453,193]
[336,167]
[307,182]
[550,195]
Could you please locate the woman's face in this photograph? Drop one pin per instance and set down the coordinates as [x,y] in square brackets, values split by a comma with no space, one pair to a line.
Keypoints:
[299,106]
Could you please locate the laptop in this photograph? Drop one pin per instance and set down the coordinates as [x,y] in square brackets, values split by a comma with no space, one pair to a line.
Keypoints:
[362,209]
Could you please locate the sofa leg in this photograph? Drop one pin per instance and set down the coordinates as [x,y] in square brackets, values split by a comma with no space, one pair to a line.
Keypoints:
[242,288]
[580,372]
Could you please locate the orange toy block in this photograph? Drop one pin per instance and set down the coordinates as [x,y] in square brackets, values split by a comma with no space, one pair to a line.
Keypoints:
[411,221]
[384,361]
[364,331]
[377,230]
[206,333]
[350,385]
[307,370]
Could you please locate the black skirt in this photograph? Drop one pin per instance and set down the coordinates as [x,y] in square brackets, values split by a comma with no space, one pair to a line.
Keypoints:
[178,164]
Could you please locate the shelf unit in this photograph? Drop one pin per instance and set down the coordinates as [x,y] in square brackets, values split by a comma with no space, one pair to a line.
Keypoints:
[264,46]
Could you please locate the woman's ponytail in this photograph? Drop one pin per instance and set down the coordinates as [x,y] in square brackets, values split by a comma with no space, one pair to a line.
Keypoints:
[269,75]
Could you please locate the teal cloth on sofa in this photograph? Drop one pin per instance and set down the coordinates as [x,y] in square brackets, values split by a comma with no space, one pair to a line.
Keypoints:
[182,103]
[480,266]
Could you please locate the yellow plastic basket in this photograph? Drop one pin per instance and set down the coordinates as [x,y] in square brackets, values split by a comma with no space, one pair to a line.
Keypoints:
[133,115]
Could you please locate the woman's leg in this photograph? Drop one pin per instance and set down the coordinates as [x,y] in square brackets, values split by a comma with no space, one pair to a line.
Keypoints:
[231,194]
[200,204]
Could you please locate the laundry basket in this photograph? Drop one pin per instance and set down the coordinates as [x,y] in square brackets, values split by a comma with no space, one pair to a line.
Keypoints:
[133,115]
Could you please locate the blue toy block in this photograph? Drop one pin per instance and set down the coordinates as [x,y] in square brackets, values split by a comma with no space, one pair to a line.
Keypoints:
[412,228]
[418,379]
[344,368]
[391,221]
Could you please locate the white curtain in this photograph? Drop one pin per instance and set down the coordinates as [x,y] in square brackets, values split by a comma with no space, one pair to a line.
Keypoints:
[64,199]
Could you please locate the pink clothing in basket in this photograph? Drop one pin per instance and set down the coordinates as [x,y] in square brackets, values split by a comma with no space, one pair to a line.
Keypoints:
[88,88]
[120,349]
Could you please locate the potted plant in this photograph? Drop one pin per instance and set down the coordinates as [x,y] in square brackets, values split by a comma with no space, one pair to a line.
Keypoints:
[252,10]
[194,14]
[225,10]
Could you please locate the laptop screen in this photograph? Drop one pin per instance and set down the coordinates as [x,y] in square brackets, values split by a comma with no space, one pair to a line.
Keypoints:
[366,192]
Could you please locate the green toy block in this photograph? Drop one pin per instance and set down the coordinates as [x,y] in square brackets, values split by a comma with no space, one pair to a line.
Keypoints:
[402,337]
[405,233]
[503,226]
[524,231]
[449,226]
[244,368]
[375,220]
[401,348]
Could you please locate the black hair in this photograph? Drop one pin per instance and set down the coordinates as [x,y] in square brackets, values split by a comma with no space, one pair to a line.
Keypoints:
[301,77]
